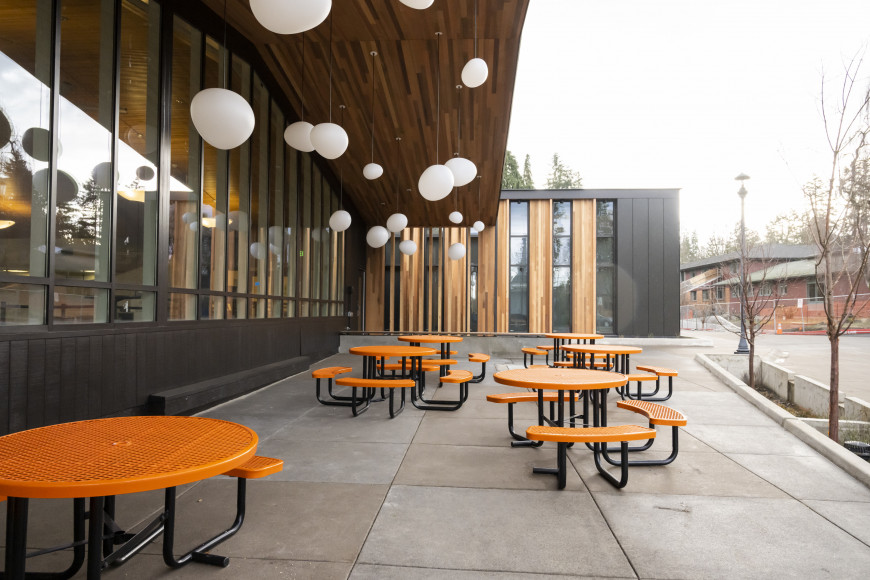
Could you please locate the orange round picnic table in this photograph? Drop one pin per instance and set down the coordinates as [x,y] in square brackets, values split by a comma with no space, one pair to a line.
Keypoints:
[559,379]
[114,456]
[371,353]
[101,458]
[560,338]
[443,339]
[619,351]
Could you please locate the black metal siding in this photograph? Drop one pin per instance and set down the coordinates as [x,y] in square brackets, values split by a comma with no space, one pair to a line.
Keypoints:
[647,265]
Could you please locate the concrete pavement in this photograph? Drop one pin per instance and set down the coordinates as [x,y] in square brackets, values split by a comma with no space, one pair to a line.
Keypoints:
[433,495]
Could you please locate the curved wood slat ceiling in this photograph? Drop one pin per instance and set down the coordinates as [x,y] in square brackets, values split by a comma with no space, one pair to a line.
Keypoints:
[405,95]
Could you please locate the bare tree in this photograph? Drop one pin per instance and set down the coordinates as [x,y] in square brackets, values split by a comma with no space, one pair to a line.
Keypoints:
[757,291]
[840,217]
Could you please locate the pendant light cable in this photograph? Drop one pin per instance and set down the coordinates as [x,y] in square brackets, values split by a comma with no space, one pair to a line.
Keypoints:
[374,54]
[398,140]
[226,50]
[438,99]
[331,19]
[302,118]
[475,28]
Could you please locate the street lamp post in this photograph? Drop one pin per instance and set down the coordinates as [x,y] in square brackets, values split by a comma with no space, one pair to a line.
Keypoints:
[742,346]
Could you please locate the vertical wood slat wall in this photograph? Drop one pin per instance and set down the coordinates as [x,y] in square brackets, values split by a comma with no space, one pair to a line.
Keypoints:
[583,269]
[445,282]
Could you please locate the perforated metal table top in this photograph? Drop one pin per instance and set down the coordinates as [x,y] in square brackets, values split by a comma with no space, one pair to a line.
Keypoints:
[113,456]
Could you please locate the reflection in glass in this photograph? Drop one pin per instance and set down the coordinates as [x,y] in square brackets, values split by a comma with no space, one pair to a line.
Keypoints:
[519,250]
[136,254]
[25,106]
[605,280]
[276,208]
[134,306]
[185,167]
[290,223]
[211,307]
[213,220]
[259,240]
[519,211]
[561,316]
[85,179]
[238,242]
[75,305]
[22,304]
[519,299]
[305,229]
[182,306]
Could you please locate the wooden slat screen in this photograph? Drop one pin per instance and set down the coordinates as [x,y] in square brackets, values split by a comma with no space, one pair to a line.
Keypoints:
[583,265]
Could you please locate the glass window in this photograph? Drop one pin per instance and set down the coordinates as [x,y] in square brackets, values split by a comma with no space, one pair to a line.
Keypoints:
[138,123]
[211,307]
[290,226]
[185,163]
[276,206]
[605,276]
[22,304]
[238,228]
[720,293]
[815,293]
[76,305]
[561,311]
[259,242]
[305,225]
[519,267]
[783,288]
[85,183]
[134,306]
[705,295]
[25,146]
[693,295]
[182,306]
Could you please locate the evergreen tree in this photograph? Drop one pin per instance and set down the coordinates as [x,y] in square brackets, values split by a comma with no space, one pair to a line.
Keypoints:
[510,177]
[527,181]
[562,177]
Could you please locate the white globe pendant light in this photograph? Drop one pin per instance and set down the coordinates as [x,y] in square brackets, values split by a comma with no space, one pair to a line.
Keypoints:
[329,139]
[418,4]
[290,16]
[339,221]
[223,118]
[372,171]
[478,226]
[408,247]
[397,222]
[463,170]
[456,251]
[298,136]
[437,180]
[475,73]
[377,236]
[455,217]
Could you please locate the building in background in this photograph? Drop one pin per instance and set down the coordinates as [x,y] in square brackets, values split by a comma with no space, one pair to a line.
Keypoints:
[602,261]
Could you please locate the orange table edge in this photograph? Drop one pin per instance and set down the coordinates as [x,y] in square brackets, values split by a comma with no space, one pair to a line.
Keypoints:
[23,473]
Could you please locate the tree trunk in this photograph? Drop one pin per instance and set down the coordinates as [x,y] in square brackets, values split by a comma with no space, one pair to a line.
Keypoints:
[751,364]
[834,403]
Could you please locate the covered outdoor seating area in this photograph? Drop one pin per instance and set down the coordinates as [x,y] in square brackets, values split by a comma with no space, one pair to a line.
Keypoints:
[355,489]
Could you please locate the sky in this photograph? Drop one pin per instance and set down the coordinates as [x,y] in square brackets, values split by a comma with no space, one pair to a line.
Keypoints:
[685,94]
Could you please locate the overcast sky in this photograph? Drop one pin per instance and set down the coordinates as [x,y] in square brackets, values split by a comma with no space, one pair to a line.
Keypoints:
[685,94]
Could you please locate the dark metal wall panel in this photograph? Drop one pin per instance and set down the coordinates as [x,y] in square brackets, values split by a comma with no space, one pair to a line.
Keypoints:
[655,259]
[647,266]
[53,389]
[66,378]
[624,260]
[35,383]
[4,386]
[671,268]
[18,385]
[640,261]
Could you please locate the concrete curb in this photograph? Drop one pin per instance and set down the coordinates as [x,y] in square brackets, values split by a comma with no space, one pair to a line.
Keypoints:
[839,456]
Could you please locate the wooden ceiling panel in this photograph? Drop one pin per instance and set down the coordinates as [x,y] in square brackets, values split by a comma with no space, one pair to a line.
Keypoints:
[406,98]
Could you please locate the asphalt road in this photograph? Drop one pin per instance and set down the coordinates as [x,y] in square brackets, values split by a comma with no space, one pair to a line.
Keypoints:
[808,355]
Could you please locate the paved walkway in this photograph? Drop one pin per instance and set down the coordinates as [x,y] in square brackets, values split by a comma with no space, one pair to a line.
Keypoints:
[808,355]
[443,495]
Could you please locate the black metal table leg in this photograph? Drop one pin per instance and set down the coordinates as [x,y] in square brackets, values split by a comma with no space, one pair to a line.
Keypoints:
[16,537]
[95,538]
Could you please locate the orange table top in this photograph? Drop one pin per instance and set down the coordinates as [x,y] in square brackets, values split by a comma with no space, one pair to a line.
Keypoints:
[574,336]
[603,348]
[430,338]
[393,350]
[120,455]
[559,379]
